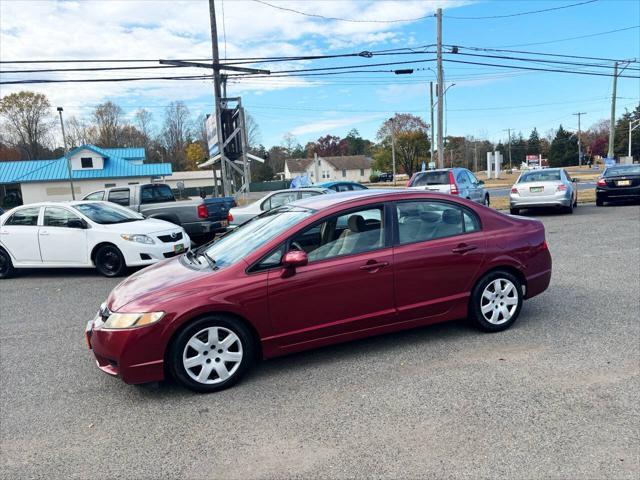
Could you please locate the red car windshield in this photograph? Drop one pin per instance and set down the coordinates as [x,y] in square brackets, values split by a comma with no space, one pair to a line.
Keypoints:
[252,235]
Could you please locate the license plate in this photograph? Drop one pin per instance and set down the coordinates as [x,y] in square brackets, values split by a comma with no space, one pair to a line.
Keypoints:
[224,223]
[536,189]
[178,248]
[623,183]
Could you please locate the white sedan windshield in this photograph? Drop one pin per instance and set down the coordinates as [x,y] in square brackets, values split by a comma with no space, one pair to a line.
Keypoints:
[107,214]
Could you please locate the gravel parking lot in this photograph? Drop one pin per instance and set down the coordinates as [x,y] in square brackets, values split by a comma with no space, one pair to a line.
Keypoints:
[556,396]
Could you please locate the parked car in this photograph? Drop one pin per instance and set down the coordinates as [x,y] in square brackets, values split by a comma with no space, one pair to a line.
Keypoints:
[341,186]
[277,198]
[201,218]
[385,177]
[550,187]
[455,181]
[85,234]
[620,182]
[319,271]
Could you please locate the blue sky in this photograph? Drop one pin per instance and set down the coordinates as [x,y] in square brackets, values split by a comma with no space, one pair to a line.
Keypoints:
[484,101]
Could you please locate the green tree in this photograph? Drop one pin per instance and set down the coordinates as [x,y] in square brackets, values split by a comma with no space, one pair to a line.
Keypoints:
[411,141]
[518,150]
[564,149]
[533,144]
[621,145]
[356,145]
[27,121]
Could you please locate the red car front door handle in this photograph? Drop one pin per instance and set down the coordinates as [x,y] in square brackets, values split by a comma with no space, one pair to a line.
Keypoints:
[374,266]
[463,248]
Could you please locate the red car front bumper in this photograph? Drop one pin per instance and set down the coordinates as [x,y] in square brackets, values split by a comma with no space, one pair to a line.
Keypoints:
[136,355]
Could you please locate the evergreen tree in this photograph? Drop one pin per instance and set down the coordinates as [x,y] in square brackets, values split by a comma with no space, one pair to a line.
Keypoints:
[564,149]
[533,144]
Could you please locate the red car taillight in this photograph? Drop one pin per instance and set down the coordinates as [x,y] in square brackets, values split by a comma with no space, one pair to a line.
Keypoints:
[202,211]
[452,185]
[514,190]
[229,217]
[545,245]
[561,188]
[601,182]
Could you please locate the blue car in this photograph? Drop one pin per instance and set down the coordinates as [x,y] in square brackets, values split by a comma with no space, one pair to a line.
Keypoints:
[341,186]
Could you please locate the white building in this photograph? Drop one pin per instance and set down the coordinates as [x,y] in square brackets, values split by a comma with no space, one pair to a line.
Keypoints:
[92,168]
[351,168]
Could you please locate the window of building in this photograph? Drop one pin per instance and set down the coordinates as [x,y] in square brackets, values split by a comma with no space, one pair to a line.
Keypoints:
[362,172]
[86,162]
[344,173]
[25,217]
[109,185]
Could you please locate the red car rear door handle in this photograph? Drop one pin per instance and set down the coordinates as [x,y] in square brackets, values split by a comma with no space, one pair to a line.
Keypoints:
[464,248]
[374,266]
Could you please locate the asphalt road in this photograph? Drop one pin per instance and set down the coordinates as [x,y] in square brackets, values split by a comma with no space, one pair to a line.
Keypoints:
[556,396]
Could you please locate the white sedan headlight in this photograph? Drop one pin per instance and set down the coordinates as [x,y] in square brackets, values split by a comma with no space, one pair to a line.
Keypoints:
[129,320]
[136,237]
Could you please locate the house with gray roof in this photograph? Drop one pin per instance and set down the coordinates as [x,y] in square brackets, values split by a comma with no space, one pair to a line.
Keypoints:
[352,168]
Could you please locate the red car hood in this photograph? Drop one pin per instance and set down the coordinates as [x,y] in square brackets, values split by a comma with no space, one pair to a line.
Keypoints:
[170,277]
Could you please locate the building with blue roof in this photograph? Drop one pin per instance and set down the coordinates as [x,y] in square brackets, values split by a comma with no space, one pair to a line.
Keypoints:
[92,168]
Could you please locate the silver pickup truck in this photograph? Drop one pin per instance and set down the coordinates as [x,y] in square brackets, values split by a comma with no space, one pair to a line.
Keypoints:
[201,218]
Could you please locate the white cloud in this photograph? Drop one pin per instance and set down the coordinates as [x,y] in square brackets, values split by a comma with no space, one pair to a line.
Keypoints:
[327,125]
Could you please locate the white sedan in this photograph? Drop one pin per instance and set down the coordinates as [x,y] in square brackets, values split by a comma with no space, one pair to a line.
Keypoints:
[85,234]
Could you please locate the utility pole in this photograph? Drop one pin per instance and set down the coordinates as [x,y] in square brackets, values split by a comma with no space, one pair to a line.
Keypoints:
[393,149]
[475,156]
[440,90]
[509,130]
[612,123]
[64,142]
[433,127]
[226,187]
[632,127]
[579,114]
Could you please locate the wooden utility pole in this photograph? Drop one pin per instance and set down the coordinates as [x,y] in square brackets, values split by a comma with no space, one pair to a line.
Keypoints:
[433,127]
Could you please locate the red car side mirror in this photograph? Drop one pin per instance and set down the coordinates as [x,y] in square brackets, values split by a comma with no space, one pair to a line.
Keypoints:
[294,258]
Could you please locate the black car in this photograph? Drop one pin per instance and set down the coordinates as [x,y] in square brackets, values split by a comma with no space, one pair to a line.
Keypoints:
[385,177]
[619,182]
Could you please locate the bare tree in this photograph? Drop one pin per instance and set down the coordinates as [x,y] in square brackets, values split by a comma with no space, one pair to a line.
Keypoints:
[175,132]
[143,120]
[107,118]
[27,122]
[253,130]
[80,132]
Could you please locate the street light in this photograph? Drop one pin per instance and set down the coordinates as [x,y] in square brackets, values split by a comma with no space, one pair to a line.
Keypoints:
[64,141]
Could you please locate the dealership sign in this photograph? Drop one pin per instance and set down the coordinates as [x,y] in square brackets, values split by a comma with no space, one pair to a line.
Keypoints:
[212,134]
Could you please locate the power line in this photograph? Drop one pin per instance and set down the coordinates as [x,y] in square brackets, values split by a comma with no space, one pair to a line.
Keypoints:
[339,19]
[522,13]
[556,70]
[542,54]
[569,38]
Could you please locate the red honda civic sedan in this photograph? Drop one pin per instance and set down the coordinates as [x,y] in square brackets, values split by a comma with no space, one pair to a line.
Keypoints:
[323,270]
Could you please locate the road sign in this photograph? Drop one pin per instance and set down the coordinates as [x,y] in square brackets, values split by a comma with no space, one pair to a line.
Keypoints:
[212,135]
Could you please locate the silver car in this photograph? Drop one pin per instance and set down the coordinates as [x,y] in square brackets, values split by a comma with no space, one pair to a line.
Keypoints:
[239,215]
[549,187]
[455,181]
